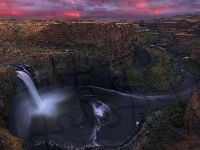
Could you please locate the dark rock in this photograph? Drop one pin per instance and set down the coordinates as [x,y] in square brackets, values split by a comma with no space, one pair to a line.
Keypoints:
[192,114]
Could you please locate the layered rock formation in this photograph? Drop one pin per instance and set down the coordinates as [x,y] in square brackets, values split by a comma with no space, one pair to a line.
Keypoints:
[7,85]
[100,34]
[9,142]
[93,45]
[195,55]
[52,66]
[189,138]
[192,115]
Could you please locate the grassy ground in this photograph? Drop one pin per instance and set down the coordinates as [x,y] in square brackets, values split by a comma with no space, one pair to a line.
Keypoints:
[148,37]
[154,78]
[161,120]
[193,66]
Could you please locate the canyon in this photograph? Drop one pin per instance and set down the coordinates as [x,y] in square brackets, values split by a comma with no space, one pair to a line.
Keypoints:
[62,53]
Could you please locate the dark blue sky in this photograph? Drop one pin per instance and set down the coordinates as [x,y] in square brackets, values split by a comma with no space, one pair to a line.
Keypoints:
[96,9]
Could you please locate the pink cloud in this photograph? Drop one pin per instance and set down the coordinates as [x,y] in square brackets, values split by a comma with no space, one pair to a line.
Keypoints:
[73,3]
[95,9]
[160,10]
[141,4]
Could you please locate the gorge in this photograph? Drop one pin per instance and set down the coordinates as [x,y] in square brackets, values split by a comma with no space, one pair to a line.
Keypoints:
[93,79]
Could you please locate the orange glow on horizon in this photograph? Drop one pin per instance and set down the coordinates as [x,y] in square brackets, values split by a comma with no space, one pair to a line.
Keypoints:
[159,10]
[72,14]
[15,13]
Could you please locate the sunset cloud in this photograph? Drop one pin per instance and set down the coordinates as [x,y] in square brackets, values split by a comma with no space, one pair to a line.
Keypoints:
[141,4]
[72,14]
[96,9]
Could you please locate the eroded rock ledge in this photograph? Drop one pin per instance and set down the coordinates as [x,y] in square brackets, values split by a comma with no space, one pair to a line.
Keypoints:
[7,85]
[192,115]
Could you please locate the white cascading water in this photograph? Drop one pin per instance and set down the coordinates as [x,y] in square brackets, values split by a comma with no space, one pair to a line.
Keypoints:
[45,102]
[31,87]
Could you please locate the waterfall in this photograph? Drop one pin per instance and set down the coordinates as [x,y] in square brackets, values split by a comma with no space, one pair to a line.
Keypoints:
[30,86]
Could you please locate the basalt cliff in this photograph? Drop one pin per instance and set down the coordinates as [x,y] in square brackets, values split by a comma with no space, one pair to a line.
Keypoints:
[66,53]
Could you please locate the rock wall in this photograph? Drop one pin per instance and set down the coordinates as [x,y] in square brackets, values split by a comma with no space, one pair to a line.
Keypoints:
[100,34]
[52,65]
[7,85]
[195,55]
[19,37]
[192,115]
[9,142]
[115,39]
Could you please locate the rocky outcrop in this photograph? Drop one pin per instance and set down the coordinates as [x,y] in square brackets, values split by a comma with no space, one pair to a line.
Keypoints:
[9,142]
[66,46]
[192,115]
[192,144]
[185,138]
[100,34]
[195,55]
[7,85]
[53,64]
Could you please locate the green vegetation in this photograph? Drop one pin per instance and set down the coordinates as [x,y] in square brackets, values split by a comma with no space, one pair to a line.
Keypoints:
[193,66]
[44,46]
[169,116]
[193,42]
[92,47]
[154,78]
[175,113]
[39,49]
[148,37]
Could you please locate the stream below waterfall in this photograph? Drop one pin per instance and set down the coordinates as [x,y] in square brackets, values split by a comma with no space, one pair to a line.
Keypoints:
[86,116]
[77,117]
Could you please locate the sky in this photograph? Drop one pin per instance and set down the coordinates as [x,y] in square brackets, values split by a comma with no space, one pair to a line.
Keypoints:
[96,9]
